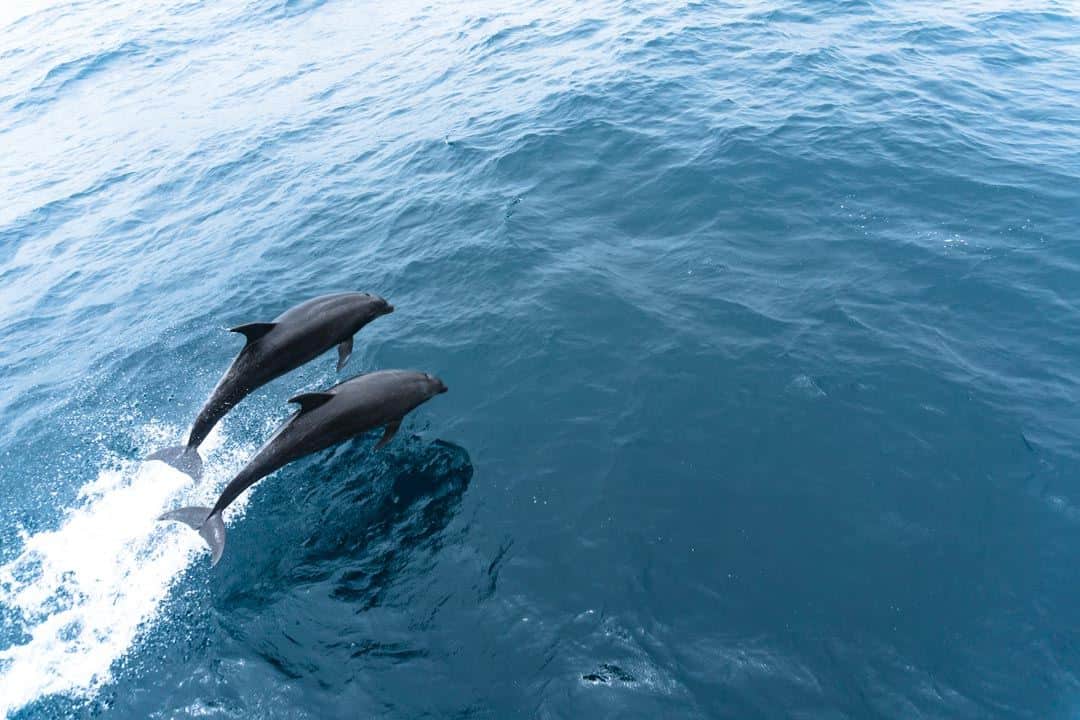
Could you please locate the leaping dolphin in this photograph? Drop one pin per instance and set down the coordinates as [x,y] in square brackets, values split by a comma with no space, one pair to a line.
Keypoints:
[274,348]
[378,399]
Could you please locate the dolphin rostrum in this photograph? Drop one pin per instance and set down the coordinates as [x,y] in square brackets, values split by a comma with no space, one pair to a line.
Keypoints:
[378,399]
[274,348]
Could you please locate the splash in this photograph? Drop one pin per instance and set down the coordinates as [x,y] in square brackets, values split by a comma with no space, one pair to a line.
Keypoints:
[84,592]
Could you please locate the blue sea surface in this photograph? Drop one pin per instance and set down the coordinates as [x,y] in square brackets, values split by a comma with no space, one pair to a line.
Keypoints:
[761,323]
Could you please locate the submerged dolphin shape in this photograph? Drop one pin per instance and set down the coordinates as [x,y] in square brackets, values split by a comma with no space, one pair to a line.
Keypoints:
[295,337]
[378,399]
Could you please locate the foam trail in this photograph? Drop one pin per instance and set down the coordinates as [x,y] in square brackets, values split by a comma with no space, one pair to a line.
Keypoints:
[85,591]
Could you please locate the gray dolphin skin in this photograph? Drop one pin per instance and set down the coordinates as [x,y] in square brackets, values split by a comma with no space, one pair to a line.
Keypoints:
[356,406]
[294,338]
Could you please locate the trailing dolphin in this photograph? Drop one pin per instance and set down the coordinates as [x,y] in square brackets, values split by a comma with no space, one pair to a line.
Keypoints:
[378,399]
[274,348]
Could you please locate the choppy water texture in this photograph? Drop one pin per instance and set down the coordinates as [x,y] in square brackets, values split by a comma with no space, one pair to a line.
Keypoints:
[760,321]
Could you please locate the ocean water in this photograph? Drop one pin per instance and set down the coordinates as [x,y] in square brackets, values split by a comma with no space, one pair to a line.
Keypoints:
[761,322]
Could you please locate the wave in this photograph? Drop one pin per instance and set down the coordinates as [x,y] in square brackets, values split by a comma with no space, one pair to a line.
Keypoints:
[66,74]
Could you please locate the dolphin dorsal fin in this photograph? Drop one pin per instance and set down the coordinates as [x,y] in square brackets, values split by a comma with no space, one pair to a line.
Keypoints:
[253,331]
[310,401]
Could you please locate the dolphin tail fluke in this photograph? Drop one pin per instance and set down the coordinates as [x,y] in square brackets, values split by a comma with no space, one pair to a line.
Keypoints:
[209,526]
[182,457]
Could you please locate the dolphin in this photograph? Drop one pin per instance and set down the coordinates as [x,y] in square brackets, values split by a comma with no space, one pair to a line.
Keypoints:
[377,399]
[274,348]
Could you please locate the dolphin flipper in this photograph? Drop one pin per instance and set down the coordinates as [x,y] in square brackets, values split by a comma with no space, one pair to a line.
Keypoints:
[182,457]
[388,434]
[210,527]
[344,350]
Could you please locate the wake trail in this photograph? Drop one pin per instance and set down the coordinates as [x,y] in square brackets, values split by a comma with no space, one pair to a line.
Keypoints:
[84,592]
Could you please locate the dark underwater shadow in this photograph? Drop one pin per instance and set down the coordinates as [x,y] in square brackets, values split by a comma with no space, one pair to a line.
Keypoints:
[329,574]
[351,518]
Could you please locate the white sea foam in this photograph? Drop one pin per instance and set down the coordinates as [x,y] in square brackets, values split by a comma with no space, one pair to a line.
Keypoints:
[86,590]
